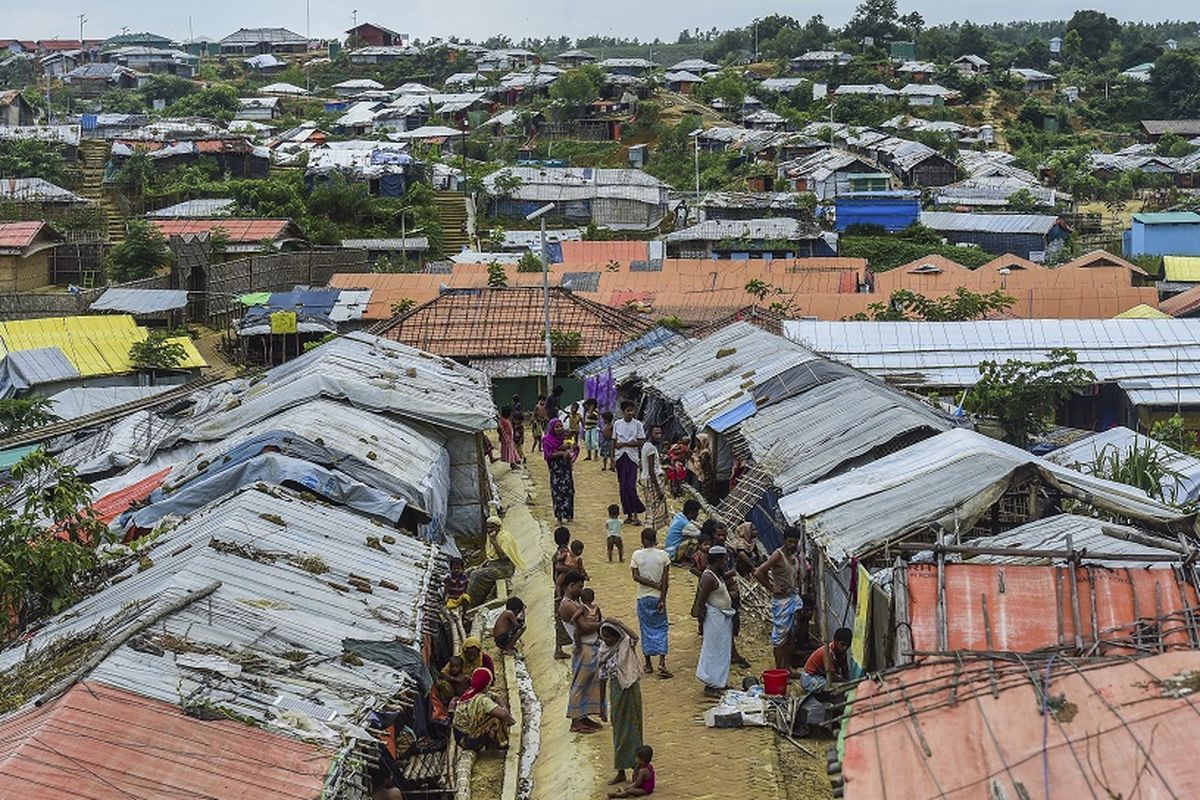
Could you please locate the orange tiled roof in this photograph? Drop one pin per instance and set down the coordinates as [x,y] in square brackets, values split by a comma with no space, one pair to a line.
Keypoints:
[238,230]
[19,235]
[1103,258]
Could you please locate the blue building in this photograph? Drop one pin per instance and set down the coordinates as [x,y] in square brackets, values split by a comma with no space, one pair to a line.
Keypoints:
[893,210]
[1170,233]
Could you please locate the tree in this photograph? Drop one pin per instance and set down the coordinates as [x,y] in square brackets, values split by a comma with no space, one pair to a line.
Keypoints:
[140,255]
[48,537]
[137,174]
[1024,395]
[402,305]
[1173,145]
[1175,84]
[156,351]
[577,88]
[1072,48]
[1173,432]
[23,415]
[219,102]
[962,306]
[875,18]
[1023,200]
[1096,31]
[727,86]
[29,158]
[497,278]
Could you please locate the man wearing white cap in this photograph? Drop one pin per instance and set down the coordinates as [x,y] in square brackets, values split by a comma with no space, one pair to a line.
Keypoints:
[713,610]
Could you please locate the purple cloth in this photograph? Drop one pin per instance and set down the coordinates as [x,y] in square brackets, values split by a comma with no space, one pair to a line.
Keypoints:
[552,442]
[627,477]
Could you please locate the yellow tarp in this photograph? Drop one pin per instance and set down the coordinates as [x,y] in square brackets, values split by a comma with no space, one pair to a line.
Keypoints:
[862,617]
[96,345]
[1143,311]
[1185,269]
[283,322]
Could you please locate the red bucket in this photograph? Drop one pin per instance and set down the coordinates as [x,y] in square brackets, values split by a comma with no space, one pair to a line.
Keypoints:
[775,681]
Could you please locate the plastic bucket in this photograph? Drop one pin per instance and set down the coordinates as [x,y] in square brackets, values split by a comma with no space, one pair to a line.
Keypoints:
[775,681]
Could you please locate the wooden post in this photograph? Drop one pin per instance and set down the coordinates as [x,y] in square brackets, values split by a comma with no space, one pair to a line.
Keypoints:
[904,643]
[943,633]
[1075,617]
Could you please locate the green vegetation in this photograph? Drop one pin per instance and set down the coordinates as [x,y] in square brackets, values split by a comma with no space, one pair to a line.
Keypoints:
[140,255]
[23,415]
[48,536]
[28,158]
[156,351]
[1144,466]
[497,278]
[888,252]
[1173,433]
[962,306]
[1023,396]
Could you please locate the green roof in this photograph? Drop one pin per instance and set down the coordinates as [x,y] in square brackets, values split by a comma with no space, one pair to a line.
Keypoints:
[1168,218]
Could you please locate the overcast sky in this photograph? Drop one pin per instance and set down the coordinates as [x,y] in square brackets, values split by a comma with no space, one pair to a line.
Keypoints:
[481,18]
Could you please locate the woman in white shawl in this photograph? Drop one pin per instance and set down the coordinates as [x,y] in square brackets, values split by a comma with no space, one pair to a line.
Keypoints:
[619,664]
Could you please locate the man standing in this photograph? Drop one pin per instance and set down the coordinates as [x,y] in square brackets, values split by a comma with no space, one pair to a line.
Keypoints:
[651,478]
[652,573]
[780,573]
[629,436]
[713,611]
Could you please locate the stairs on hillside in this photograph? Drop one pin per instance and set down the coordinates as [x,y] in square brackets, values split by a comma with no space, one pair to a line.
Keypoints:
[93,154]
[452,211]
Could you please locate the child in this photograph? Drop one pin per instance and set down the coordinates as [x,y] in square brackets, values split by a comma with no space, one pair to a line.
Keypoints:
[613,538]
[562,541]
[518,425]
[540,418]
[453,680]
[591,428]
[677,457]
[574,560]
[575,420]
[606,441]
[643,776]
[509,625]
[591,611]
[456,586]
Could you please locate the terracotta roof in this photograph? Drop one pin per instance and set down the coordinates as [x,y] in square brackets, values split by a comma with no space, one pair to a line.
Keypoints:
[974,730]
[1024,606]
[508,323]
[600,253]
[1103,258]
[19,235]
[238,231]
[114,504]
[103,743]
[1183,304]
[1012,262]
[930,263]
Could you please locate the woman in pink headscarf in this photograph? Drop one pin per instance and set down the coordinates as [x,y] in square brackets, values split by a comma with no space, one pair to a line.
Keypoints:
[480,722]
[560,452]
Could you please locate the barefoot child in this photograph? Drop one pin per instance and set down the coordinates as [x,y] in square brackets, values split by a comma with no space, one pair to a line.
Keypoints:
[643,777]
[456,585]
[606,441]
[677,458]
[591,609]
[562,541]
[574,560]
[613,533]
[591,429]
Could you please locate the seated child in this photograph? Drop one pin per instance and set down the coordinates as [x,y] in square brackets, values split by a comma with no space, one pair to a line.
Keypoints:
[613,533]
[509,625]
[643,776]
[456,586]
[677,458]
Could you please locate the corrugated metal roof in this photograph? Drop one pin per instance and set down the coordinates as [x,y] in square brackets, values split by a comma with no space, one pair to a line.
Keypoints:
[36,190]
[1016,608]
[204,207]
[277,557]
[1142,311]
[716,230]
[1087,533]
[79,401]
[1153,360]
[101,742]
[639,347]
[238,231]
[140,301]
[1182,269]
[24,369]
[1168,218]
[947,481]
[1135,718]
[1040,224]
[96,345]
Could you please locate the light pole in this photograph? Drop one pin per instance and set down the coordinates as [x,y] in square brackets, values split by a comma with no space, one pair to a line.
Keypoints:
[696,140]
[540,215]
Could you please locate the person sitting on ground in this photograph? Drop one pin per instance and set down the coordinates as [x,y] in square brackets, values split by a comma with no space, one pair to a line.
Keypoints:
[612,530]
[480,723]
[591,609]
[453,680]
[683,534]
[503,559]
[780,574]
[509,625]
[473,656]
[746,549]
[828,663]
[456,585]
[643,777]
[575,560]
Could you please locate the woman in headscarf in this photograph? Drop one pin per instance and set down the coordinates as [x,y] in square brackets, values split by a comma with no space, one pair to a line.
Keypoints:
[480,723]
[502,558]
[560,451]
[619,665]
[746,549]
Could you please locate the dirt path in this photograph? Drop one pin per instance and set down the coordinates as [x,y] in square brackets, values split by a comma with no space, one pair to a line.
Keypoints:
[693,761]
